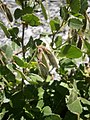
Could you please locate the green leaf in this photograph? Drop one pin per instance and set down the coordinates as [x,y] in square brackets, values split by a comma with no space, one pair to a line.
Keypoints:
[70,51]
[67,63]
[18,101]
[31,43]
[75,107]
[58,41]
[75,23]
[7,50]
[44,11]
[7,73]
[31,93]
[14,31]
[79,15]
[40,92]
[87,44]
[75,6]
[73,96]
[35,78]
[27,10]
[22,74]
[6,100]
[47,111]
[3,27]
[18,13]
[53,117]
[64,13]
[2,113]
[18,61]
[31,19]
[40,104]
[20,2]
[84,101]
[84,6]
[55,26]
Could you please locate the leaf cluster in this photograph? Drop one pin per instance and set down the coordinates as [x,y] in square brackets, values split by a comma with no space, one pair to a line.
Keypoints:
[45,83]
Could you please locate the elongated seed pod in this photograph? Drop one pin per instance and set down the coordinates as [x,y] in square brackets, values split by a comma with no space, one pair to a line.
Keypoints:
[7,12]
[9,15]
[43,70]
[45,60]
[52,58]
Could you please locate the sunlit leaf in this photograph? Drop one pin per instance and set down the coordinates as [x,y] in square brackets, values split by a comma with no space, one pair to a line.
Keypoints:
[18,61]
[31,19]
[19,12]
[85,101]
[75,23]
[73,96]
[58,41]
[35,78]
[75,107]
[47,111]
[40,104]
[70,51]
[55,26]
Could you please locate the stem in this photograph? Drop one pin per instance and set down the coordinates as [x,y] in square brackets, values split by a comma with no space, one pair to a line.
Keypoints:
[52,43]
[22,42]
[23,52]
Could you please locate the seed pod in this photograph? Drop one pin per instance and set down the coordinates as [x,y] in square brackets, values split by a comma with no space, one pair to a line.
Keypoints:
[39,55]
[43,70]
[9,15]
[7,12]
[45,60]
[51,58]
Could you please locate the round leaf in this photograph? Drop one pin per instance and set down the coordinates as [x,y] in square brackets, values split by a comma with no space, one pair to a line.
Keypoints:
[31,19]
[47,111]
[70,51]
[75,23]
[75,107]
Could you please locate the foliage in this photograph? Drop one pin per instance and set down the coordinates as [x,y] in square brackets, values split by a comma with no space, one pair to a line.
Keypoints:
[41,83]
